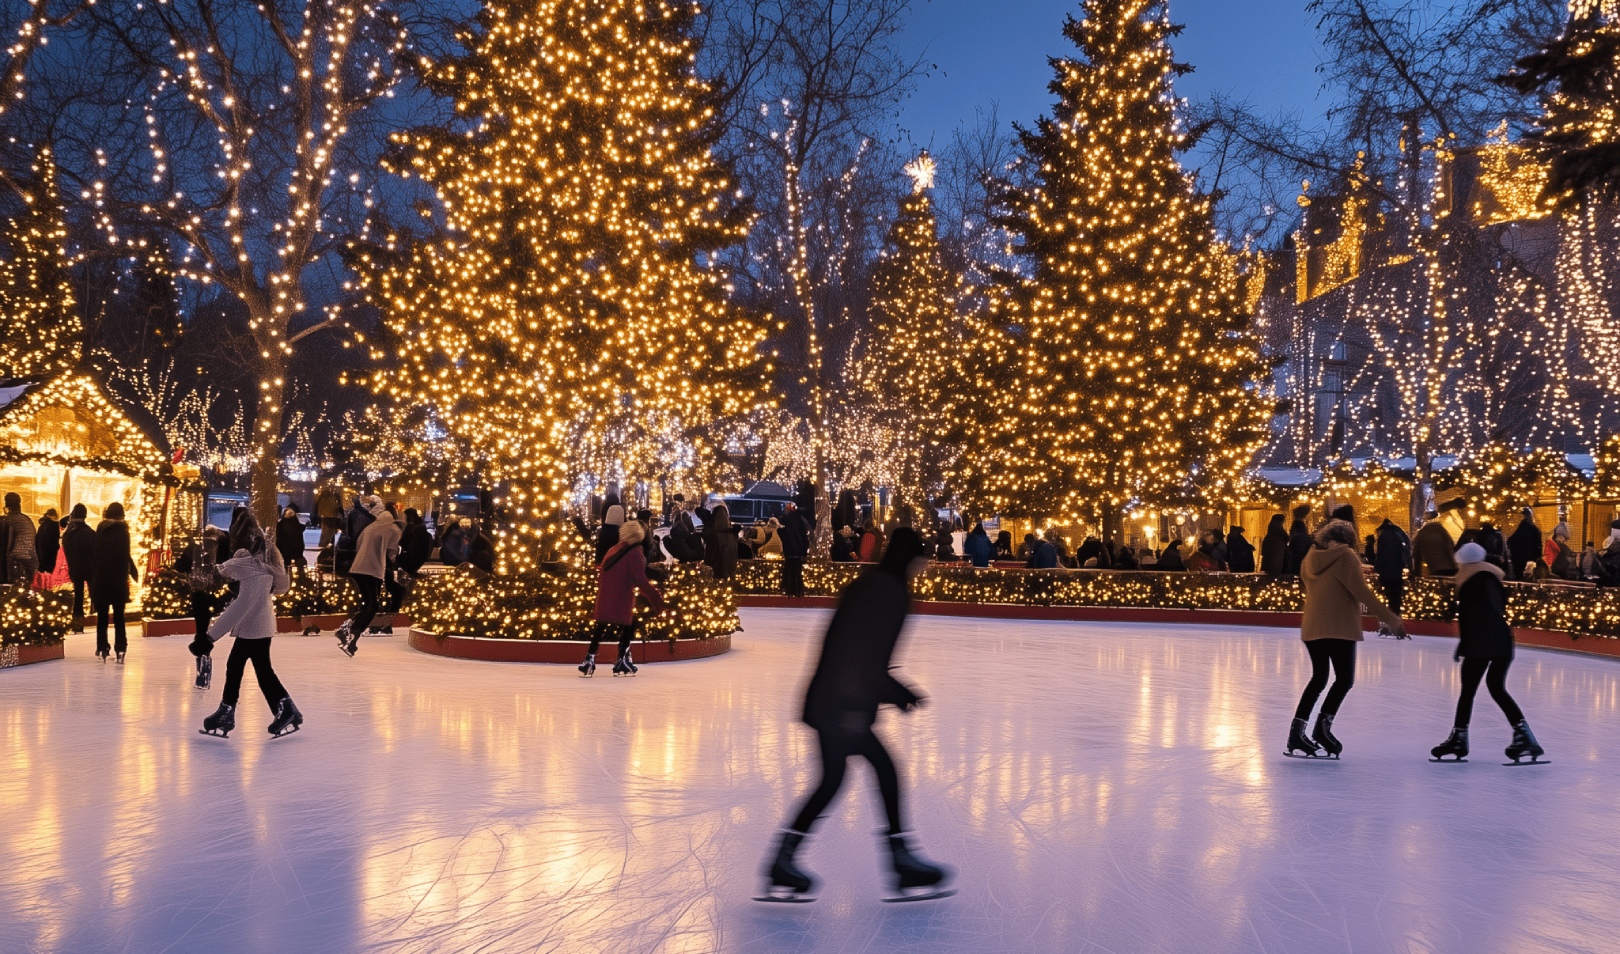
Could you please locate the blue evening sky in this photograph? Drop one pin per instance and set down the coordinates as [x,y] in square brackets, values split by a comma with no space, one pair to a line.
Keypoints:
[995,51]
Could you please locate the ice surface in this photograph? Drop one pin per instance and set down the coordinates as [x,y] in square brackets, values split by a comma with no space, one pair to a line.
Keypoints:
[1101,787]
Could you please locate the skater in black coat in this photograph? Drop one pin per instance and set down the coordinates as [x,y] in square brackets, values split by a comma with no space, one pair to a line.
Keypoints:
[1525,546]
[1274,547]
[852,679]
[1485,646]
[79,550]
[1299,541]
[112,568]
[1239,552]
[1392,557]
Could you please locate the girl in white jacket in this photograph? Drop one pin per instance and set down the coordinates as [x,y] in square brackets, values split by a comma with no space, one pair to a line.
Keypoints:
[251,618]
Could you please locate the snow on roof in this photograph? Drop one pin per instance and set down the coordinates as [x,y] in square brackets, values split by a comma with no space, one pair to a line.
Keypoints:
[1290,476]
[7,395]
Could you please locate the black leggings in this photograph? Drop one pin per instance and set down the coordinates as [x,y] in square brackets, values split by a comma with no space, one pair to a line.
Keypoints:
[623,631]
[1341,654]
[1494,672]
[370,588]
[256,651]
[836,748]
[116,612]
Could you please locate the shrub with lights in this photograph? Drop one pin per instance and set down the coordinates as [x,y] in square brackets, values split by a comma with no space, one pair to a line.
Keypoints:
[33,618]
[168,596]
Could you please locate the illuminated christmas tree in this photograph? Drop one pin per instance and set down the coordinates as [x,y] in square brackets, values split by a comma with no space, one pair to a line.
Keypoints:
[908,368]
[1117,368]
[43,334]
[571,291]
[1578,75]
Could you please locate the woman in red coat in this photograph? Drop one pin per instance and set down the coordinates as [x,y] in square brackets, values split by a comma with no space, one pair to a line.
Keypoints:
[622,572]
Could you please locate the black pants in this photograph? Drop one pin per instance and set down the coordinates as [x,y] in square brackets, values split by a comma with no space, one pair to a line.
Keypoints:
[1494,672]
[396,594]
[610,630]
[256,651]
[793,576]
[1341,654]
[78,600]
[202,611]
[836,748]
[1394,588]
[116,611]
[370,602]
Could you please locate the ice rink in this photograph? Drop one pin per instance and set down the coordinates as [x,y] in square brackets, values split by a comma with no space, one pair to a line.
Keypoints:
[1107,788]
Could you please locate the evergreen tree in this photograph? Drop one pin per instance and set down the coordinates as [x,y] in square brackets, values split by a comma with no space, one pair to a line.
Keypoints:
[1118,367]
[43,335]
[1578,77]
[571,294]
[916,334]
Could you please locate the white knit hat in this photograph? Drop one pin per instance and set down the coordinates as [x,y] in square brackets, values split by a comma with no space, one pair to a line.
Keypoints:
[615,516]
[1470,553]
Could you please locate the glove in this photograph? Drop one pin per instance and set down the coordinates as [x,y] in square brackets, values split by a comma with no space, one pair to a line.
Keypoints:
[201,645]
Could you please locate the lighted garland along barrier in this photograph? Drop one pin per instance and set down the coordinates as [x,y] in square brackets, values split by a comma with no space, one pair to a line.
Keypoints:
[1577,611]
[166,601]
[32,625]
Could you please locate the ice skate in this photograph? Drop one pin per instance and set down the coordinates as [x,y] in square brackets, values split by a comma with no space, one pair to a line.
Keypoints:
[916,878]
[221,722]
[785,881]
[348,639]
[587,669]
[205,672]
[1299,741]
[625,665]
[288,719]
[1455,746]
[1524,744]
[120,659]
[103,655]
[1323,735]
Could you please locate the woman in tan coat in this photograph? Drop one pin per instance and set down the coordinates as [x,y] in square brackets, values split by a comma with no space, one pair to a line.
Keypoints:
[1335,592]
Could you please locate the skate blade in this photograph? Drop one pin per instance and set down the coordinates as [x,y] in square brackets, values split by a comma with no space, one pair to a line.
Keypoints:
[1534,761]
[927,895]
[286,732]
[785,898]
[215,733]
[1450,761]
[1311,758]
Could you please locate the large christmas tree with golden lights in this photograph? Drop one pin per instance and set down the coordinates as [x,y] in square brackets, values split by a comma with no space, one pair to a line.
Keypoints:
[1578,76]
[43,335]
[1116,368]
[571,291]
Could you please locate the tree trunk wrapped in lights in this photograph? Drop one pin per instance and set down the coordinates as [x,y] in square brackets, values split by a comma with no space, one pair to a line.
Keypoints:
[1118,367]
[570,293]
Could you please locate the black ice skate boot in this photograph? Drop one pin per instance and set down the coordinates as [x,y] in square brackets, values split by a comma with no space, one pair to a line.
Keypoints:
[1524,744]
[1299,741]
[348,639]
[288,719]
[625,666]
[1455,745]
[915,877]
[221,722]
[587,668]
[1323,734]
[785,881]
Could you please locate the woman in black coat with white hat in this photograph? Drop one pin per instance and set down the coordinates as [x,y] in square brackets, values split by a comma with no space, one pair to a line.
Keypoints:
[852,679]
[1485,646]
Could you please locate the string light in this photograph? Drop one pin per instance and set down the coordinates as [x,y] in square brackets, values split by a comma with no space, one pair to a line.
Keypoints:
[44,336]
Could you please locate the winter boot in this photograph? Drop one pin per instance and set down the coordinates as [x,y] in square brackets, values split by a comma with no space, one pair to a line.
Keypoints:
[1323,734]
[588,667]
[915,877]
[1455,746]
[288,719]
[785,880]
[1524,744]
[1299,741]
[221,722]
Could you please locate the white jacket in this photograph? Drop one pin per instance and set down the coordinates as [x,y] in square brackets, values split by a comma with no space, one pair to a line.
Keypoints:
[252,615]
[378,543]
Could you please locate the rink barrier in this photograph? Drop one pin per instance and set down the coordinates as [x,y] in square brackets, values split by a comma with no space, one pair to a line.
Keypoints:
[563,651]
[185,626]
[13,656]
[1537,638]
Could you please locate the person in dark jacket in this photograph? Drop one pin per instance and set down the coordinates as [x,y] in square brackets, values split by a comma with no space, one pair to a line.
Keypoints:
[795,548]
[290,539]
[48,542]
[481,549]
[684,542]
[1170,558]
[1432,551]
[1525,546]
[1042,555]
[79,549]
[853,677]
[415,543]
[199,564]
[607,535]
[1239,552]
[980,551]
[113,568]
[453,545]
[621,575]
[1212,547]
[1125,559]
[17,551]
[944,546]
[848,512]
[1091,549]
[1392,557]
[1495,545]
[1485,646]
[843,546]
[720,543]
[1004,545]
[1274,547]
[1299,541]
